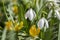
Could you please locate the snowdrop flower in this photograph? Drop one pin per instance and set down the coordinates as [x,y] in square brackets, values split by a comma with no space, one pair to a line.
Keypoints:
[56,4]
[57,14]
[52,0]
[30,14]
[43,23]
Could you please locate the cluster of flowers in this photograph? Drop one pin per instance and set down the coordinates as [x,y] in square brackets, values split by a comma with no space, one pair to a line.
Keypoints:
[31,15]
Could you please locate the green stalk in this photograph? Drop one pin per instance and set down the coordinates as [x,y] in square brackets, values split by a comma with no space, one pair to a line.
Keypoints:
[59,32]
[4,34]
[4,10]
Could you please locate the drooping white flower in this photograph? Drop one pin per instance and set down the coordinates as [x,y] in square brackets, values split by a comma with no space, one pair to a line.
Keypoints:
[30,14]
[53,0]
[57,14]
[50,0]
[46,23]
[43,23]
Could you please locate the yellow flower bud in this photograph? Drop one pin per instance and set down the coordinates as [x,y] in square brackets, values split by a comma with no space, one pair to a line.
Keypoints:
[15,9]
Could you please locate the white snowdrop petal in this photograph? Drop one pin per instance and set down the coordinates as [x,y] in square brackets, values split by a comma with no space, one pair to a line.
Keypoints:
[46,23]
[45,29]
[56,4]
[53,0]
[34,14]
[57,14]
[27,15]
[49,0]
[56,0]
[41,23]
[30,14]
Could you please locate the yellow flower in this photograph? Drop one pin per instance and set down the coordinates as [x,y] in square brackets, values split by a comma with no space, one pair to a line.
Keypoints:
[18,27]
[8,25]
[33,31]
[21,25]
[15,9]
[38,31]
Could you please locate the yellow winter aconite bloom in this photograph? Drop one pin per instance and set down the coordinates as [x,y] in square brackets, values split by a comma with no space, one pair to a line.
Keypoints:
[33,31]
[21,25]
[18,27]
[8,25]
[38,31]
[15,9]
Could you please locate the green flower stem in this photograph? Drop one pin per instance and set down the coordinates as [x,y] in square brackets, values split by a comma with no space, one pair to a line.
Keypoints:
[41,4]
[4,34]
[41,8]
[4,10]
[11,17]
[59,32]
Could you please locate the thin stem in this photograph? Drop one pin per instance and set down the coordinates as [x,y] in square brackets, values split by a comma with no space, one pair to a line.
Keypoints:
[4,34]
[4,10]
[59,32]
